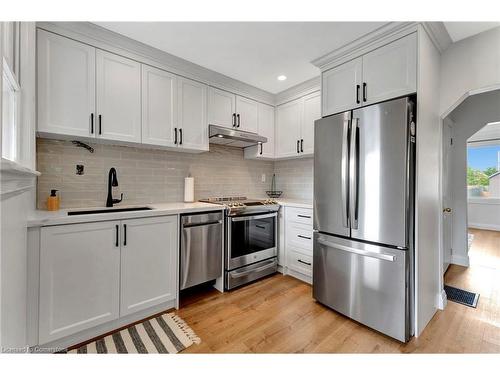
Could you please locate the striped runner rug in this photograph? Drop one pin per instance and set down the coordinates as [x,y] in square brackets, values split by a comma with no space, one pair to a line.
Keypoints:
[166,333]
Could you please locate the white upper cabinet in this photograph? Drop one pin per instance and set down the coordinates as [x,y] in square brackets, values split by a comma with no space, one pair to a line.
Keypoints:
[118,97]
[390,71]
[79,278]
[192,114]
[288,122]
[295,126]
[159,106]
[66,86]
[247,114]
[311,113]
[341,87]
[221,108]
[384,73]
[265,128]
[148,262]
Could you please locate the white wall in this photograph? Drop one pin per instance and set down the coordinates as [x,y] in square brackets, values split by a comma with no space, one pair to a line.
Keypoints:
[470,64]
[469,117]
[484,214]
[428,195]
[14,210]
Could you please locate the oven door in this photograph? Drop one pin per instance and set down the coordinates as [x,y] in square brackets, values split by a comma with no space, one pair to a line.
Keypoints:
[251,239]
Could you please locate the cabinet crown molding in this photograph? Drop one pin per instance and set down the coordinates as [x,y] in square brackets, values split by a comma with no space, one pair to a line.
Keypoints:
[381,36]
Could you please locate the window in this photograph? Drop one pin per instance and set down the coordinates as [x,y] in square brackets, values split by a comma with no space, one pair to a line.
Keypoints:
[483,176]
[10,114]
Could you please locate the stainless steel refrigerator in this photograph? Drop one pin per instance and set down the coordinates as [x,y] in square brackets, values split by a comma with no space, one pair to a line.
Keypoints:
[363,215]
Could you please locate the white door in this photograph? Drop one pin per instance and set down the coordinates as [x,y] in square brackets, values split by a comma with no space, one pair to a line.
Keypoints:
[390,71]
[221,108]
[247,114]
[312,112]
[192,114]
[447,197]
[66,86]
[79,278]
[159,106]
[266,129]
[148,262]
[341,87]
[288,122]
[118,98]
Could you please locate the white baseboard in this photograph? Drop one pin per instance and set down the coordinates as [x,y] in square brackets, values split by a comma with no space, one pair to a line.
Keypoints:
[442,300]
[484,226]
[460,260]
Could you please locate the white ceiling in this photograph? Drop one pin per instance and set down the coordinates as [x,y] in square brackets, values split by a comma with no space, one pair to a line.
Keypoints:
[462,30]
[253,52]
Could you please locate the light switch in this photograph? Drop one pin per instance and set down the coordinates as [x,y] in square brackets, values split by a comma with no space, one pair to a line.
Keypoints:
[263,177]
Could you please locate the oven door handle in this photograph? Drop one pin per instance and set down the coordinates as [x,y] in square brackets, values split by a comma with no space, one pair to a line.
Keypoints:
[269,264]
[253,217]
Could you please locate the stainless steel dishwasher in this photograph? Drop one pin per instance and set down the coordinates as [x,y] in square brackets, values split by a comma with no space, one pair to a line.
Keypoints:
[201,248]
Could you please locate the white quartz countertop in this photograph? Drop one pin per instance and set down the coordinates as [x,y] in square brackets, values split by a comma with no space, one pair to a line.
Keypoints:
[295,203]
[41,218]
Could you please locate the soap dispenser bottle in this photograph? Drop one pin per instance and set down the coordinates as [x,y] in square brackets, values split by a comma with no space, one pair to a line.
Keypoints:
[53,201]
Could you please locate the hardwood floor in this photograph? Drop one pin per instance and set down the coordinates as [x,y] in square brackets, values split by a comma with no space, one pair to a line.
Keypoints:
[278,315]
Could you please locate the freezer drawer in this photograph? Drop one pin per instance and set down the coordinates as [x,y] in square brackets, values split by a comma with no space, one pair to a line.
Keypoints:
[367,283]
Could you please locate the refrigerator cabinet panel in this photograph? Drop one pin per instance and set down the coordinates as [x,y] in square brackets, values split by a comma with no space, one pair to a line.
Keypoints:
[379,174]
[331,179]
[367,283]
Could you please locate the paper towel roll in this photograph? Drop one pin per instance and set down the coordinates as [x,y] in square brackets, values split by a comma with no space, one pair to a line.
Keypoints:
[189,189]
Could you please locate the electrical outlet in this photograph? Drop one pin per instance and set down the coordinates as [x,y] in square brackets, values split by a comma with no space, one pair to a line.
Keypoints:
[263,177]
[79,169]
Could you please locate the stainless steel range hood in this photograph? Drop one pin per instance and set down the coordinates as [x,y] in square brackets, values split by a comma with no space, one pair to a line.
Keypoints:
[232,137]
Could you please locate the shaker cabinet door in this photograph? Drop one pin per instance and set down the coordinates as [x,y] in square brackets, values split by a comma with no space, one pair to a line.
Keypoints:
[312,112]
[66,86]
[247,114]
[288,122]
[221,107]
[118,98]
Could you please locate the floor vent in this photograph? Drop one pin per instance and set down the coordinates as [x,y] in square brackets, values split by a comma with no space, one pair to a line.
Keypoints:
[461,296]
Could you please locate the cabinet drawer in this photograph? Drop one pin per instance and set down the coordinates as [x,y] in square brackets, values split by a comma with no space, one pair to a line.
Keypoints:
[299,215]
[300,263]
[299,236]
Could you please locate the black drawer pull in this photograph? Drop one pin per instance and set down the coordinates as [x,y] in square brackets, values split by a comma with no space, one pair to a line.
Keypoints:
[298,144]
[116,242]
[304,237]
[260,226]
[124,234]
[91,123]
[301,261]
[175,136]
[100,124]
[357,94]
[180,136]
[364,91]
[304,216]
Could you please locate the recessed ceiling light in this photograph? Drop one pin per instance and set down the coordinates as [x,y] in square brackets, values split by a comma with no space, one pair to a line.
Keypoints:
[281,78]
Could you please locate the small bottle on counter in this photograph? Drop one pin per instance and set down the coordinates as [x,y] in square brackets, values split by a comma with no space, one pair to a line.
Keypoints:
[53,201]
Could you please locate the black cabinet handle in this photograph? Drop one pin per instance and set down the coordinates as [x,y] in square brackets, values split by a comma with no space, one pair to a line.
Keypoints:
[304,237]
[357,94]
[116,242]
[304,216]
[124,234]
[180,136]
[100,124]
[91,123]
[301,145]
[364,91]
[260,226]
[260,149]
[298,143]
[234,119]
[239,120]
[175,136]
[301,261]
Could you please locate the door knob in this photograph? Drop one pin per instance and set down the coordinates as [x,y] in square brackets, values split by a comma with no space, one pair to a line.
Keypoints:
[447,210]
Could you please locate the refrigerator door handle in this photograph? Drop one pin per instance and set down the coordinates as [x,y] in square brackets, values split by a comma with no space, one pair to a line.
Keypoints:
[344,173]
[365,253]
[354,174]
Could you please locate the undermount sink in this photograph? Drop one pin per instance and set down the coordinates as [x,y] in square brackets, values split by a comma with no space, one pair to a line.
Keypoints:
[108,210]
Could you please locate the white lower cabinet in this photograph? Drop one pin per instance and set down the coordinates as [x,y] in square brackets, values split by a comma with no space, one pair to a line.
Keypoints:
[298,243]
[148,261]
[79,278]
[94,273]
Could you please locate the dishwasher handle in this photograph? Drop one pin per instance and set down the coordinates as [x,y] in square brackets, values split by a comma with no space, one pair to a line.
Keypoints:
[192,225]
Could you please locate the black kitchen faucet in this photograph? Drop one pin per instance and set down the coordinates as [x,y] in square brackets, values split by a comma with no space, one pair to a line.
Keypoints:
[112,181]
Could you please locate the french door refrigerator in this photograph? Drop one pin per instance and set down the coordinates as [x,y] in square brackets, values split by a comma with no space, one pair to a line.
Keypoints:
[363,215]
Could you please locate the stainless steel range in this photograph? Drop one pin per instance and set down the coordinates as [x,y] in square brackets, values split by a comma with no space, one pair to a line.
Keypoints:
[251,239]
